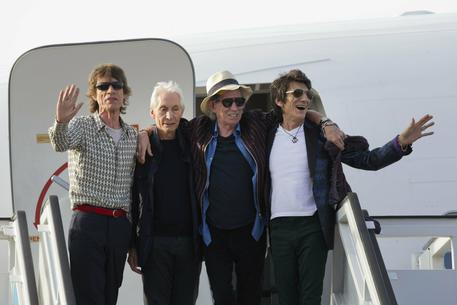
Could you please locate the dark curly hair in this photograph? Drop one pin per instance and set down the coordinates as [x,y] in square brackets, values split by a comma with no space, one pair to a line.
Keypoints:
[107,70]
[279,87]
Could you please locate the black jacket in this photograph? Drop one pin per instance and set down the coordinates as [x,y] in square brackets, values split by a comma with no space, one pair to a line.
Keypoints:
[323,167]
[143,198]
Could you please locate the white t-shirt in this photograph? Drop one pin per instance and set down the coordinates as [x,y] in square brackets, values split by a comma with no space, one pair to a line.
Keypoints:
[292,187]
[115,133]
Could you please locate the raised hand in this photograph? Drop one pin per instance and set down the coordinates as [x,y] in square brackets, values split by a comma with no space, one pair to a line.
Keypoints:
[416,130]
[66,104]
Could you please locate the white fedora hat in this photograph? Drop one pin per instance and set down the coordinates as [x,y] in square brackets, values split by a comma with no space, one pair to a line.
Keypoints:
[222,81]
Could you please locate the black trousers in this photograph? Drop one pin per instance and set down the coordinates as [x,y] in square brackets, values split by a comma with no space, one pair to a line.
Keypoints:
[172,272]
[98,248]
[235,250]
[299,255]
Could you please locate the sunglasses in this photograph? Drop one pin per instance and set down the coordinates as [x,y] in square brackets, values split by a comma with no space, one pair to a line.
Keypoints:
[105,86]
[228,102]
[299,93]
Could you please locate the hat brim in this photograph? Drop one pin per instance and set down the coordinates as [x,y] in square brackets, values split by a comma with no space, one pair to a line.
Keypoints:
[246,92]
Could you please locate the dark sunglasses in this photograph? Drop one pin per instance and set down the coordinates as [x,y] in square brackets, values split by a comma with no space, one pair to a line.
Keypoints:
[228,101]
[299,93]
[105,86]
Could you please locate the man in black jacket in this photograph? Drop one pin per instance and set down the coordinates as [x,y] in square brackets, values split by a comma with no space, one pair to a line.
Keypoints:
[165,214]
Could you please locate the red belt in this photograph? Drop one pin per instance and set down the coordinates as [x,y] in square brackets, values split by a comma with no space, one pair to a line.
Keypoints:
[99,210]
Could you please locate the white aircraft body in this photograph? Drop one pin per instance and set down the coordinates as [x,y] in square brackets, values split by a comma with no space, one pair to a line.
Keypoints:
[374,76]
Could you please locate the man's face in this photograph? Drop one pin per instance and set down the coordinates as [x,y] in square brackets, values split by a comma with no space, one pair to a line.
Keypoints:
[295,105]
[228,115]
[110,94]
[168,112]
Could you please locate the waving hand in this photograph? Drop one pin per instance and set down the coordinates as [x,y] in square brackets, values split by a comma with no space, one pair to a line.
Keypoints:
[67,107]
[416,130]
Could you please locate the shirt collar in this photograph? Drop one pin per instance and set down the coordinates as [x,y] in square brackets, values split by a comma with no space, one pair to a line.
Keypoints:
[98,121]
[101,125]
[216,131]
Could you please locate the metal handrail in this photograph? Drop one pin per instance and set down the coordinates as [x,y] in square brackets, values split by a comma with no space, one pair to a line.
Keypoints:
[53,245]
[22,274]
[353,237]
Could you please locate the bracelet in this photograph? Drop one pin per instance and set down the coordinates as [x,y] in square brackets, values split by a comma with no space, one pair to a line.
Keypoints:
[329,123]
[324,120]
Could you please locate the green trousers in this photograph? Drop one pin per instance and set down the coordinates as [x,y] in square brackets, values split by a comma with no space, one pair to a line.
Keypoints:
[299,256]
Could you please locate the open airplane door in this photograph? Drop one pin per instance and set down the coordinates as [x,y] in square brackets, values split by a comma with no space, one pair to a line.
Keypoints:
[35,82]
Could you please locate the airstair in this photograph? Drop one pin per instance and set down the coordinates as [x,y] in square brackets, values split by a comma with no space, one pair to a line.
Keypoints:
[23,289]
[53,286]
[358,275]
[356,270]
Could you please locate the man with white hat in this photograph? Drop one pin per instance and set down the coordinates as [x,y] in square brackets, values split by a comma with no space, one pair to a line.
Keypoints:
[228,148]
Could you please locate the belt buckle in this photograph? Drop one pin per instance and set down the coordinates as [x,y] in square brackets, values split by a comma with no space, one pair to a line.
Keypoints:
[114,214]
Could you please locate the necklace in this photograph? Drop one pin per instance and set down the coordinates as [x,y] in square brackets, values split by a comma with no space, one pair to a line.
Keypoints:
[294,137]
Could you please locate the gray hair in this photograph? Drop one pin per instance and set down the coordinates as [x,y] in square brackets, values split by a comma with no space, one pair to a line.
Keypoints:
[164,87]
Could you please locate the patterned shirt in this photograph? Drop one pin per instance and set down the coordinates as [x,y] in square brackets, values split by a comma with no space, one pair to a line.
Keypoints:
[101,172]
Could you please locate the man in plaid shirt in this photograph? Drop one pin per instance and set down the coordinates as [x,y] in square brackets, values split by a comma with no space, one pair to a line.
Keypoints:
[101,150]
